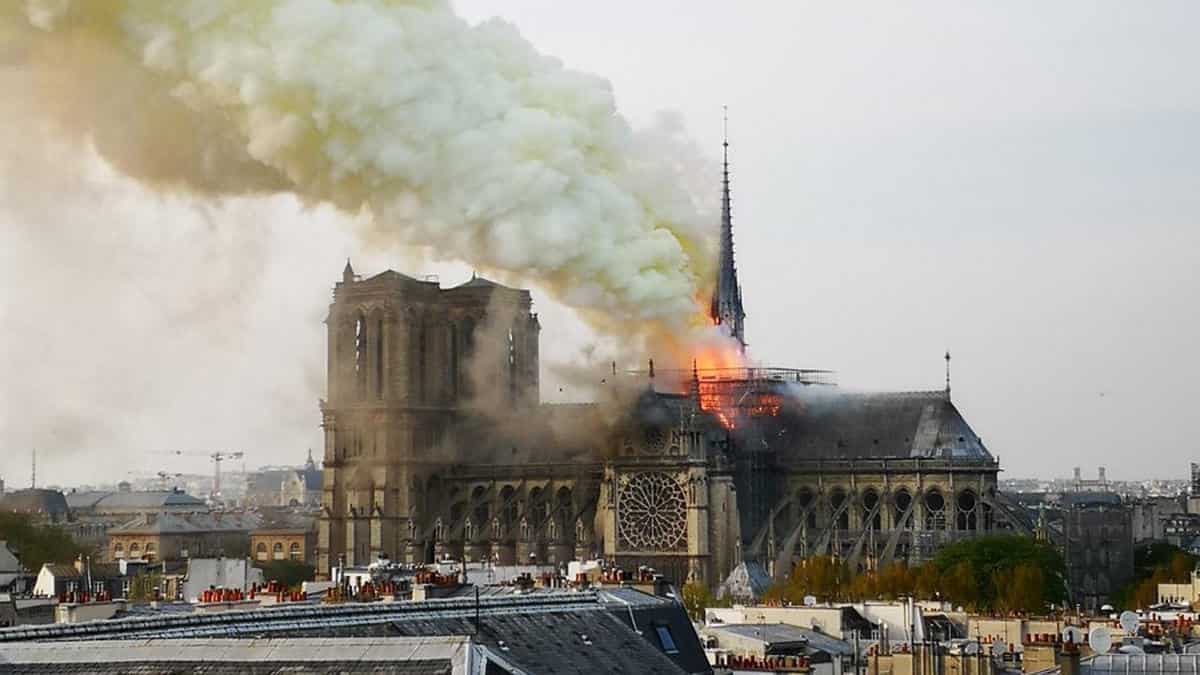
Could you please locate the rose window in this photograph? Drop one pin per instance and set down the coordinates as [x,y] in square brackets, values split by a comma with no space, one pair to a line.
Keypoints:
[653,511]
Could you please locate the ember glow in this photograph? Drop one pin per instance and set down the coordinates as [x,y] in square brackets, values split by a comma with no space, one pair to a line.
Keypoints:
[719,364]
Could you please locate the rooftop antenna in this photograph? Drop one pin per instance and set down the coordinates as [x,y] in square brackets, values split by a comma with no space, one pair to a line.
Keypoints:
[33,477]
[947,373]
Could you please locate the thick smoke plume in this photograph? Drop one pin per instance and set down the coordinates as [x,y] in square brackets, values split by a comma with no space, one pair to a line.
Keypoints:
[457,137]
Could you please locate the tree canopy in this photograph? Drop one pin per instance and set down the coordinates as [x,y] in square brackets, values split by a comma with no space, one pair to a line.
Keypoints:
[289,573]
[36,545]
[1154,564]
[1003,574]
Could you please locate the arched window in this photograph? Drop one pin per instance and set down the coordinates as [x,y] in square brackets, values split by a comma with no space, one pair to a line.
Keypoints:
[870,503]
[118,550]
[294,552]
[836,501]
[482,511]
[806,507]
[379,358]
[150,551]
[134,550]
[360,354]
[277,551]
[935,510]
[966,518]
[903,500]
[260,551]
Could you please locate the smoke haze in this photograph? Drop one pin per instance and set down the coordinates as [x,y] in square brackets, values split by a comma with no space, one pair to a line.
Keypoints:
[458,137]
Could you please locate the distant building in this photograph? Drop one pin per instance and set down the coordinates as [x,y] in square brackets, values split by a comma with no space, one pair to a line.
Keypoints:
[285,536]
[81,577]
[302,487]
[93,513]
[1097,546]
[293,487]
[171,536]
[45,506]
[10,567]
[127,503]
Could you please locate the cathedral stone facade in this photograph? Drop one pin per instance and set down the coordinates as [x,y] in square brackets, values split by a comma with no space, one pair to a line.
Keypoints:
[436,445]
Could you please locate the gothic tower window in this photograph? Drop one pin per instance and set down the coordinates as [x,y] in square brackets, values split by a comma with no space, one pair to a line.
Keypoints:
[360,353]
[422,355]
[379,359]
[512,365]
[454,360]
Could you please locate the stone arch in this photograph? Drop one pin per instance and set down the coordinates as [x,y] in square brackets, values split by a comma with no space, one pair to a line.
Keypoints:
[966,513]
[806,506]
[508,512]
[934,503]
[837,497]
[481,511]
[535,507]
[869,500]
[901,500]
[564,505]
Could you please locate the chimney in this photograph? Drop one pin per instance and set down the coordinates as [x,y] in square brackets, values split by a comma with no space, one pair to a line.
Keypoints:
[1103,479]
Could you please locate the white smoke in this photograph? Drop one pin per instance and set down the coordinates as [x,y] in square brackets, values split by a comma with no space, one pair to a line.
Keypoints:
[457,137]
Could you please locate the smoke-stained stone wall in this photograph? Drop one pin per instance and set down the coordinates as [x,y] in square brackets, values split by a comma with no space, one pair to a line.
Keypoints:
[406,359]
[436,445]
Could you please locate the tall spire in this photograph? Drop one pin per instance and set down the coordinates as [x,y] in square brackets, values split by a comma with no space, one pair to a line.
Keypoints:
[726,310]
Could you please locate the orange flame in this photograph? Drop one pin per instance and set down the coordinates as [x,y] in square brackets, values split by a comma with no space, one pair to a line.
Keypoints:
[718,361]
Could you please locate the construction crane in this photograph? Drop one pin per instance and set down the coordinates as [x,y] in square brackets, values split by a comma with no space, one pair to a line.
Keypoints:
[217,458]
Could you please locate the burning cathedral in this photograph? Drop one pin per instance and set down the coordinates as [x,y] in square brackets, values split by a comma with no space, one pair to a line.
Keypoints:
[696,474]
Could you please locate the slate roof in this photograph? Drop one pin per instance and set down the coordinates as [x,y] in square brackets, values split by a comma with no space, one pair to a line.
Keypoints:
[747,582]
[829,423]
[563,632]
[311,478]
[133,501]
[98,570]
[34,501]
[285,521]
[429,656]
[579,641]
[8,561]
[172,523]
[1086,499]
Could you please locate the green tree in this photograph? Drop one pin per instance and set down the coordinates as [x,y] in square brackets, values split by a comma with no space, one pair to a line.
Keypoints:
[1154,564]
[989,558]
[144,587]
[289,573]
[820,576]
[697,597]
[1020,589]
[37,545]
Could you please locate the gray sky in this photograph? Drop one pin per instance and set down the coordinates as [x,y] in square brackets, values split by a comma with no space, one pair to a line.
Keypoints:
[1018,182]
